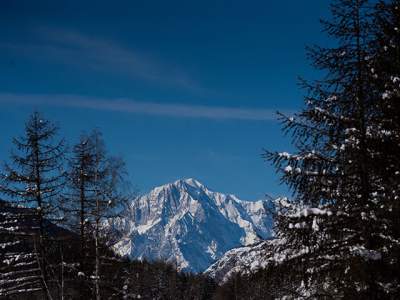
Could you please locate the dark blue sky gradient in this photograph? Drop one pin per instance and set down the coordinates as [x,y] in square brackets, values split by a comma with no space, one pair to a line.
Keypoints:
[204,57]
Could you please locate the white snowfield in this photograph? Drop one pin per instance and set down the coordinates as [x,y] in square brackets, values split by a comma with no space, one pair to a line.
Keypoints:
[243,260]
[189,225]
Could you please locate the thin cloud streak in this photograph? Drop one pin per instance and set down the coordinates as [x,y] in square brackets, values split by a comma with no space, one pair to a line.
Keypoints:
[81,51]
[140,107]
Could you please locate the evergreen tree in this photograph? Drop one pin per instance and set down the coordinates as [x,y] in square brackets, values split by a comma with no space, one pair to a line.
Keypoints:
[384,139]
[333,228]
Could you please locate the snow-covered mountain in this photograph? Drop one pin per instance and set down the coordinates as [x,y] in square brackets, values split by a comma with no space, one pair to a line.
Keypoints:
[243,260]
[186,223]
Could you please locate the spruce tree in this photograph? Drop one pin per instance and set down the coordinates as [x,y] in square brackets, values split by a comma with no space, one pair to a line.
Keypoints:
[384,139]
[332,228]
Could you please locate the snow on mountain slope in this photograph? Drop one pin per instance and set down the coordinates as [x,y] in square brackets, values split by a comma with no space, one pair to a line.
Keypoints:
[187,224]
[242,260]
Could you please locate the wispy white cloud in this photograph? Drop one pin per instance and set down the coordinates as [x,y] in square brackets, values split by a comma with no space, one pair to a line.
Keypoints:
[140,107]
[93,53]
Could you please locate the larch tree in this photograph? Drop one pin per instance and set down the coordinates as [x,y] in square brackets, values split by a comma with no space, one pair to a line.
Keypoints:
[96,193]
[35,179]
[80,195]
[110,199]
[78,203]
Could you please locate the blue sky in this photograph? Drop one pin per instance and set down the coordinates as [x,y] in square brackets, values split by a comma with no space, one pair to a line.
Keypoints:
[179,88]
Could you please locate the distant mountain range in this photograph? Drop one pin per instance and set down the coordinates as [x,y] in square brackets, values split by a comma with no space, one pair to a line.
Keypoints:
[189,225]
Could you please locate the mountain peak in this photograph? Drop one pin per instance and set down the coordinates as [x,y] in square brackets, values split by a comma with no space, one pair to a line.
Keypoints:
[186,223]
[178,188]
[189,181]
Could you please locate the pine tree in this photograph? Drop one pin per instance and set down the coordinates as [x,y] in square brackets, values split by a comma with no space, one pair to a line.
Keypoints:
[333,226]
[35,179]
